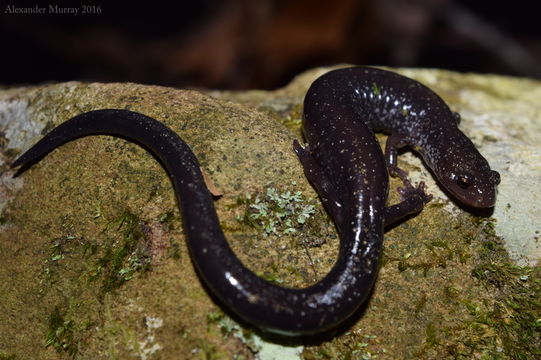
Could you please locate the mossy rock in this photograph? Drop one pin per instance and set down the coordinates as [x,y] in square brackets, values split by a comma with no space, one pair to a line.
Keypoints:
[94,263]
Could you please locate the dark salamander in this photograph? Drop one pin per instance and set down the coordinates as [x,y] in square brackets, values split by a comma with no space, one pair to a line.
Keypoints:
[343,161]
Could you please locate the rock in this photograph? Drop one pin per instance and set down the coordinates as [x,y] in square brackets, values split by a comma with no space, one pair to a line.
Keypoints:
[91,243]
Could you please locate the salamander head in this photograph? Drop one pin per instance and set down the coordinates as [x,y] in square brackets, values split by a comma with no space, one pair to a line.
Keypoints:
[469,178]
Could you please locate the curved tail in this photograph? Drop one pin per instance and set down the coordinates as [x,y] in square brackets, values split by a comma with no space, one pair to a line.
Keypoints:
[269,307]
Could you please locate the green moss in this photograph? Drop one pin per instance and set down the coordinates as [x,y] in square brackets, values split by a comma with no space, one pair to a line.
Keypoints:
[6,356]
[174,250]
[167,218]
[421,303]
[516,312]
[78,272]
[351,346]
[293,119]
[61,333]
[52,264]
[504,323]
[431,334]
[271,275]
[451,294]
[116,333]
[423,266]
[437,253]
[119,261]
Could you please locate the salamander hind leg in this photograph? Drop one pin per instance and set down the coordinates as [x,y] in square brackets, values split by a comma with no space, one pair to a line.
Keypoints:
[321,182]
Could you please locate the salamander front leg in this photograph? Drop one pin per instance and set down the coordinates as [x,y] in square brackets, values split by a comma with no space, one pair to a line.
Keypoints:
[392,145]
[413,198]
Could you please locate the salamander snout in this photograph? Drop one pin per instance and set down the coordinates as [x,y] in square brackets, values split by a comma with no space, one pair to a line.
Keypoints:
[475,189]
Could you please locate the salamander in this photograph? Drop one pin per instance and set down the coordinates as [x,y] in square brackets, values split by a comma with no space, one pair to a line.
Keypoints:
[344,162]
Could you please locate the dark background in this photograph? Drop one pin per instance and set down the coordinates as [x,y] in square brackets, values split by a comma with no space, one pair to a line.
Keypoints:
[239,44]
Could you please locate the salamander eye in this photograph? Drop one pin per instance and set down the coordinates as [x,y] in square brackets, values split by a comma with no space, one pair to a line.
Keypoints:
[463,180]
